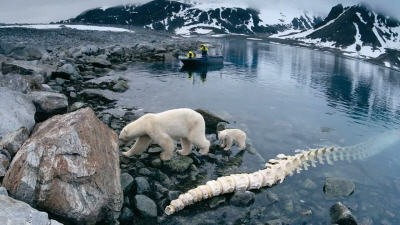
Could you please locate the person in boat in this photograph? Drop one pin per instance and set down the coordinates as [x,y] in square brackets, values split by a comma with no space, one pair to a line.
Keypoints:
[204,50]
[190,55]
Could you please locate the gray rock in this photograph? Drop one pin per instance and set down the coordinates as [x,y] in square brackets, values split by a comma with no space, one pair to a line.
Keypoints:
[20,83]
[274,222]
[26,53]
[6,48]
[19,213]
[72,95]
[48,104]
[76,106]
[3,191]
[4,164]
[146,172]
[241,198]
[178,163]
[120,86]
[146,206]
[96,94]
[126,181]
[338,188]
[20,68]
[99,62]
[142,185]
[160,50]
[68,72]
[155,150]
[288,206]
[16,111]
[157,163]
[341,215]
[127,215]
[272,197]
[172,195]
[60,81]
[210,119]
[216,201]
[106,118]
[70,167]
[143,48]
[6,153]
[309,184]
[14,140]
[46,87]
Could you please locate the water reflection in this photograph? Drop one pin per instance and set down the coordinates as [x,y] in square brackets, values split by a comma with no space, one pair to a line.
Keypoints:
[200,71]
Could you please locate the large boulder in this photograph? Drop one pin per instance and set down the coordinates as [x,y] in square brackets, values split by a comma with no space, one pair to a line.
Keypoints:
[20,67]
[48,104]
[16,111]
[338,188]
[69,167]
[99,61]
[67,71]
[19,83]
[341,215]
[17,212]
[13,141]
[26,53]
[210,119]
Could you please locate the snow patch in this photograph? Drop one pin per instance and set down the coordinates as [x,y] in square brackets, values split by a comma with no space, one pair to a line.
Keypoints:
[387,64]
[359,16]
[105,7]
[255,39]
[202,31]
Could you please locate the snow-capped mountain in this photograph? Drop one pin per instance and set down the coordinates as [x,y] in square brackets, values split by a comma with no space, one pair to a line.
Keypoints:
[184,17]
[356,30]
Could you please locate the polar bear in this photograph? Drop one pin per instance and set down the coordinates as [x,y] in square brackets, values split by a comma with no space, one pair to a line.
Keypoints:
[228,136]
[162,128]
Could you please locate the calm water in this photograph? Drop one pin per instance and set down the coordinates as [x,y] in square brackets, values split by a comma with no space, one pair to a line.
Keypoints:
[288,98]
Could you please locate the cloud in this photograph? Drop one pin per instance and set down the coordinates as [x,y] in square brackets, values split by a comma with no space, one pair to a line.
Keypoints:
[44,11]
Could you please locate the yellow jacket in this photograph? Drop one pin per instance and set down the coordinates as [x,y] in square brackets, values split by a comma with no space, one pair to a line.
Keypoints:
[190,55]
[204,48]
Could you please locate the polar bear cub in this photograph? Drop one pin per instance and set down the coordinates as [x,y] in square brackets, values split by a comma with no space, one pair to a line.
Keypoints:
[229,136]
[162,128]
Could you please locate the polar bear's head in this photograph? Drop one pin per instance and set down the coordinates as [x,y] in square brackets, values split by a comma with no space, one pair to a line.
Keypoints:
[124,137]
[222,135]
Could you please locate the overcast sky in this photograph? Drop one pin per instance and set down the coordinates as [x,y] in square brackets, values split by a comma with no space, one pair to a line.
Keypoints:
[44,11]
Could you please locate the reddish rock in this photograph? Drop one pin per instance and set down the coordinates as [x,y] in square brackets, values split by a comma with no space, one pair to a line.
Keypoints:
[70,167]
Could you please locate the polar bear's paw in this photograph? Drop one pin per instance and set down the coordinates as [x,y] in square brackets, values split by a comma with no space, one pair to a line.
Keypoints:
[203,151]
[183,152]
[125,154]
[165,157]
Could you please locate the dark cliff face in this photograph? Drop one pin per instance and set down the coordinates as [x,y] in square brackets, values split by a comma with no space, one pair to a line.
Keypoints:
[171,15]
[342,25]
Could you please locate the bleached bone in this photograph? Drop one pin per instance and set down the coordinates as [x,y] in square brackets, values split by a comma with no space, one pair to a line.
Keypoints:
[278,169]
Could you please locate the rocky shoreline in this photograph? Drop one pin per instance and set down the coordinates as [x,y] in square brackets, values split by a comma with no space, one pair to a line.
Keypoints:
[59,148]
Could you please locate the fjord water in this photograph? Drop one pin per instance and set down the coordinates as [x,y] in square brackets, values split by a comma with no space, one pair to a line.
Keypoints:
[287,98]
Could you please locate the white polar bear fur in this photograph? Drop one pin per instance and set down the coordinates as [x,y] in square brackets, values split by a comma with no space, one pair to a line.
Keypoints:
[229,136]
[184,124]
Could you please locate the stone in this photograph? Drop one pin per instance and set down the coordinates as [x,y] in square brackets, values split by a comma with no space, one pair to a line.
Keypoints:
[68,72]
[126,181]
[120,86]
[288,206]
[210,119]
[155,150]
[157,163]
[242,198]
[6,48]
[60,81]
[145,206]
[172,195]
[4,164]
[222,126]
[274,222]
[20,83]
[309,184]
[20,68]
[338,188]
[99,62]
[144,48]
[178,163]
[216,201]
[96,94]
[18,213]
[3,191]
[16,111]
[76,106]
[6,153]
[142,185]
[341,215]
[26,53]
[127,215]
[13,141]
[272,197]
[48,104]
[70,167]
